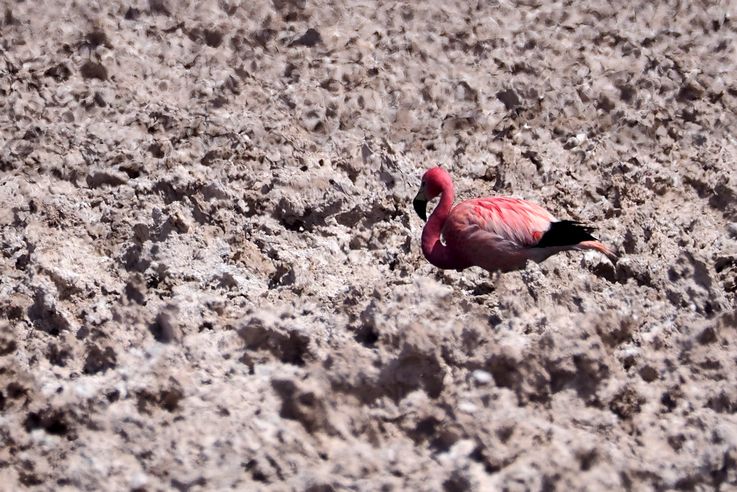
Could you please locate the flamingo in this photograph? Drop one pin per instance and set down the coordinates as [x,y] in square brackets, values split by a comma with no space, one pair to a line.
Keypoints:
[496,234]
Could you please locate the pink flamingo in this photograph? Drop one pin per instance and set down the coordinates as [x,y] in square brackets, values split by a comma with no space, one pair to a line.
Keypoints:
[497,234]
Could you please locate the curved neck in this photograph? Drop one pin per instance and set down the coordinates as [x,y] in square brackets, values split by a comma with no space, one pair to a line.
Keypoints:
[435,251]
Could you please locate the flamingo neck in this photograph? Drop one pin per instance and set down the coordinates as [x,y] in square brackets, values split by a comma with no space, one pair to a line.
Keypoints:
[434,250]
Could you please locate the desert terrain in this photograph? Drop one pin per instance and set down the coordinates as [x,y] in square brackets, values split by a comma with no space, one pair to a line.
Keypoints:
[210,270]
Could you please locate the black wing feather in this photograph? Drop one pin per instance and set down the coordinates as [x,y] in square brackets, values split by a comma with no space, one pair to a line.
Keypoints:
[565,233]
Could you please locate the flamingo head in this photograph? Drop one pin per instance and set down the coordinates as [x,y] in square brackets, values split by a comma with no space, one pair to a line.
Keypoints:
[434,182]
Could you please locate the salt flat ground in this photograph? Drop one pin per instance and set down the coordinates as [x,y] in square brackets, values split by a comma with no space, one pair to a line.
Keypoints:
[210,274]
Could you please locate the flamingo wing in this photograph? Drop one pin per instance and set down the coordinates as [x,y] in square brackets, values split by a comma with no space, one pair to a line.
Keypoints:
[519,222]
[497,233]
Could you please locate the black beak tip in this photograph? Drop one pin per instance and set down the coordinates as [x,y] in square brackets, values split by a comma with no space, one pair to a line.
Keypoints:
[421,208]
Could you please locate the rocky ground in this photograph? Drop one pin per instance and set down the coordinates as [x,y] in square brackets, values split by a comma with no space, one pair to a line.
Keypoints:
[210,267]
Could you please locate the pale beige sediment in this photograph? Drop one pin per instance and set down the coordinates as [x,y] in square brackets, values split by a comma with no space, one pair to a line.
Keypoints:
[210,273]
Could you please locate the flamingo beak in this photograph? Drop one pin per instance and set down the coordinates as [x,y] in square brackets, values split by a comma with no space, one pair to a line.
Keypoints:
[420,204]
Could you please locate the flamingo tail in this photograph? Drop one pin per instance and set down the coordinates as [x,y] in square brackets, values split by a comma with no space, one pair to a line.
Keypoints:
[572,234]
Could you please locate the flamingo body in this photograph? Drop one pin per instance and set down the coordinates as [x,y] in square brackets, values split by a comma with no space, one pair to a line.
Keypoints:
[497,234]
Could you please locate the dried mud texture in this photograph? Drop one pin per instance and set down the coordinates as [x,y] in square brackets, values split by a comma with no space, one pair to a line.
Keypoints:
[210,272]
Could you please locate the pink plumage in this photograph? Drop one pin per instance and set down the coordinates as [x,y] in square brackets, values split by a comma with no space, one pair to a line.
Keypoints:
[497,234]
